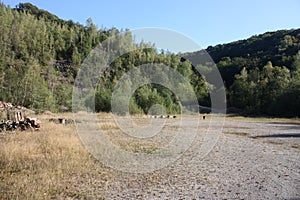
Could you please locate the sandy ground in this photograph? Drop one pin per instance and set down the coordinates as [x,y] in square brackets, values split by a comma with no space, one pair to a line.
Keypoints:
[252,159]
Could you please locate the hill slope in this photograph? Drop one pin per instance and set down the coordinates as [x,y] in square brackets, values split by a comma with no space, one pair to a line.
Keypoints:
[279,47]
[261,74]
[40,55]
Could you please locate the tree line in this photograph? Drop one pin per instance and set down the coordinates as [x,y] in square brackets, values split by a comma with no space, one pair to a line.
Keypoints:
[261,74]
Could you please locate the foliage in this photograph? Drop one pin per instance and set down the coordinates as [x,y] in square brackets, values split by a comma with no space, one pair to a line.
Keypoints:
[253,84]
[40,56]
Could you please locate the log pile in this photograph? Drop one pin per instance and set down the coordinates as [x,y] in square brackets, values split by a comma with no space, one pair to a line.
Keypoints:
[9,106]
[61,121]
[14,118]
[27,124]
[163,116]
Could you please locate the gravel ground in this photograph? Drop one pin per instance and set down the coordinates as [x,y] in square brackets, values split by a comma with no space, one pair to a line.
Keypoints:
[252,159]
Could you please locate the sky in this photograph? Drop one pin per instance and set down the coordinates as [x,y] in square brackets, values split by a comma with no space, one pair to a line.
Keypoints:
[207,22]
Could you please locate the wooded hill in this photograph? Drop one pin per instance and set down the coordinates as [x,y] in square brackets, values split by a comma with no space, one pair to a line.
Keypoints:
[261,73]
[40,55]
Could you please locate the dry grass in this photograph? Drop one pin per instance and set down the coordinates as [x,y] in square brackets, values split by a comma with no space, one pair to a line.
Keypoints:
[271,141]
[265,119]
[53,164]
[136,145]
[49,164]
[132,144]
[295,146]
[105,115]
[108,126]
[236,133]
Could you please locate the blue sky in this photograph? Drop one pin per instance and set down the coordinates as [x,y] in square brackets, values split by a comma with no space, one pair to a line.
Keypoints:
[207,22]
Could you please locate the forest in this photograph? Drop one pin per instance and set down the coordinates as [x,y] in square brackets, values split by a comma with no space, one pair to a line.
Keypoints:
[41,54]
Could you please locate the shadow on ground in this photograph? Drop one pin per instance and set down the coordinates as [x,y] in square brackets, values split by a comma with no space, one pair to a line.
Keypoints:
[287,135]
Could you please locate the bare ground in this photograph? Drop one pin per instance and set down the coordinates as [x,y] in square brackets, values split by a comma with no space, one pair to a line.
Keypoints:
[252,159]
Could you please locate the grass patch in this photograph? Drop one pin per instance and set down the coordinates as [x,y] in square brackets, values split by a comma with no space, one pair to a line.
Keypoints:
[48,164]
[268,141]
[265,119]
[108,126]
[139,148]
[236,133]
[272,142]
[295,146]
[134,145]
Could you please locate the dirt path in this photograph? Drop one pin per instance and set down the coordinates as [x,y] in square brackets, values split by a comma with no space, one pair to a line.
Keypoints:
[251,160]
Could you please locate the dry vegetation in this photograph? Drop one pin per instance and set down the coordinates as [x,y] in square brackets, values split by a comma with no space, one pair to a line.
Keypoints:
[51,163]
[236,133]
[108,125]
[295,121]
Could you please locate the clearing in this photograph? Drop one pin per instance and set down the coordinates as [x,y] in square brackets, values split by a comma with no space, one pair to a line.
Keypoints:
[252,159]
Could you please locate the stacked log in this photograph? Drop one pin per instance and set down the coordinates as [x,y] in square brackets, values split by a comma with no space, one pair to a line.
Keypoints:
[27,124]
[13,118]
[61,121]
[5,105]
[163,116]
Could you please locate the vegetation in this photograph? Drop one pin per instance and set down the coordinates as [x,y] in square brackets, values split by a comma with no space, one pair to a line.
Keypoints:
[49,164]
[261,73]
[40,55]
[54,164]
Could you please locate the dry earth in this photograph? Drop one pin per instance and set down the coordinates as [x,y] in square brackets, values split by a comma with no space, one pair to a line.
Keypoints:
[252,159]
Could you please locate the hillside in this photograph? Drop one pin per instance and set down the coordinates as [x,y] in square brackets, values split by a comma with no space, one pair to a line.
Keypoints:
[261,73]
[278,47]
[40,55]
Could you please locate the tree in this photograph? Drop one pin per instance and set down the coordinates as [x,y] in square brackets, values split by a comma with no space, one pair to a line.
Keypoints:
[102,100]
[239,90]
